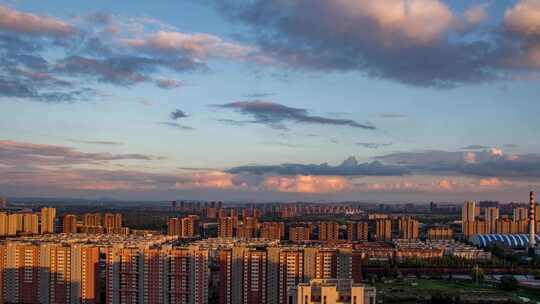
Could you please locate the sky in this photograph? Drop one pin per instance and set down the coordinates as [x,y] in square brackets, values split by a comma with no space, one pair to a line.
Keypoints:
[270,100]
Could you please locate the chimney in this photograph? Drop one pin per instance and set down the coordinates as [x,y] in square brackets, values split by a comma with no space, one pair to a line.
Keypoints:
[532,237]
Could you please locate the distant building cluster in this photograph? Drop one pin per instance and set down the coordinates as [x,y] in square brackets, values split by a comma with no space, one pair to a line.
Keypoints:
[93,223]
[488,220]
[27,222]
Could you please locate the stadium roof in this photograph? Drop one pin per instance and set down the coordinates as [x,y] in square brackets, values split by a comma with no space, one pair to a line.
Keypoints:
[510,240]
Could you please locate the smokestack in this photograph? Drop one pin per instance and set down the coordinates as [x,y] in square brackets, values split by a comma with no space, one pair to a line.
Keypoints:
[532,237]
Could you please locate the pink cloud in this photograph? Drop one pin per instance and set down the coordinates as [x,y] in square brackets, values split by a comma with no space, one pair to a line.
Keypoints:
[490,182]
[396,21]
[198,45]
[25,23]
[306,184]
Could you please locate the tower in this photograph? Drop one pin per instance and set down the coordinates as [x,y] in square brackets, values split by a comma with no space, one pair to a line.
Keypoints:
[532,237]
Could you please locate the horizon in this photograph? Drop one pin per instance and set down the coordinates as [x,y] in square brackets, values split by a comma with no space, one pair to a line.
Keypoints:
[363,100]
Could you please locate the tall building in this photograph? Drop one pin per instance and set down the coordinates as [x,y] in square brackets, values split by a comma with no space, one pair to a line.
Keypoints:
[272,230]
[328,231]
[491,215]
[3,224]
[157,275]
[408,228]
[243,275]
[69,223]
[112,221]
[92,220]
[328,291]
[185,227]
[284,273]
[468,212]
[357,231]
[519,214]
[48,219]
[49,273]
[297,234]
[440,233]
[383,229]
[30,223]
[227,227]
[254,276]
[13,221]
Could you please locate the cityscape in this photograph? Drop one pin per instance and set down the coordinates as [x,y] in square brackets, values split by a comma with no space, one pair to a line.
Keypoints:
[269,151]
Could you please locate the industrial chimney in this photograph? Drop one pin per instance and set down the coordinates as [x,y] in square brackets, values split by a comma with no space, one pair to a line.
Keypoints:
[532,237]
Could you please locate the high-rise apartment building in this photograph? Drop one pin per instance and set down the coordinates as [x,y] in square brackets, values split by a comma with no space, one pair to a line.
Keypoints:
[491,215]
[298,234]
[328,231]
[92,220]
[520,213]
[185,227]
[383,229]
[112,221]
[3,223]
[157,275]
[49,273]
[440,233]
[69,223]
[227,226]
[30,223]
[272,230]
[408,228]
[48,219]
[357,231]
[243,275]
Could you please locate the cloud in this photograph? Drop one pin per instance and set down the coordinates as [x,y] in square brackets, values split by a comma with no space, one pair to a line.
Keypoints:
[522,23]
[391,115]
[169,83]
[475,147]
[349,167]
[490,182]
[177,114]
[275,114]
[24,23]
[370,145]
[14,153]
[489,163]
[176,126]
[197,45]
[306,184]
[258,95]
[417,42]
[97,142]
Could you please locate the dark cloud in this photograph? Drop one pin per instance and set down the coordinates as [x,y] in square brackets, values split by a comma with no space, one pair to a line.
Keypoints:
[391,115]
[169,83]
[258,95]
[13,153]
[119,70]
[232,122]
[487,163]
[371,145]
[177,114]
[96,142]
[176,125]
[275,115]
[425,45]
[475,147]
[349,167]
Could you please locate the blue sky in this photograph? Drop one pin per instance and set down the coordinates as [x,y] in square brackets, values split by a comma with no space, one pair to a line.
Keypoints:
[446,92]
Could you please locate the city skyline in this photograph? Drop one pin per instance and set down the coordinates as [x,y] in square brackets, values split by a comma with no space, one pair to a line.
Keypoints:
[386,101]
